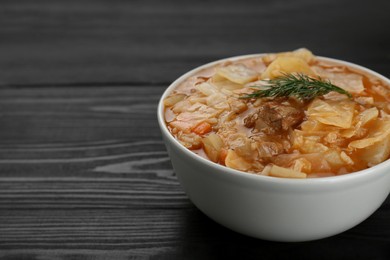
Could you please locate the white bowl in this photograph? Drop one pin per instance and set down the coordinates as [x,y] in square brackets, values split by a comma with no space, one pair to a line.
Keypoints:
[272,208]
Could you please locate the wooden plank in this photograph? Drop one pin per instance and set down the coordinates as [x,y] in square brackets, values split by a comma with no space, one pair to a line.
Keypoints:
[65,115]
[78,180]
[56,42]
[164,234]
[83,170]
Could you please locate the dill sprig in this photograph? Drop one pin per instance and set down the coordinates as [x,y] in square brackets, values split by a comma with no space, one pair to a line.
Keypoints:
[298,85]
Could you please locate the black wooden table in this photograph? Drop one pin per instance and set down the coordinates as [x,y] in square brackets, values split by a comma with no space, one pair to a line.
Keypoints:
[83,170]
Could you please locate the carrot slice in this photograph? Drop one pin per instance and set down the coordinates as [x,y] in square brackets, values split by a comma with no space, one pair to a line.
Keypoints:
[222,156]
[202,128]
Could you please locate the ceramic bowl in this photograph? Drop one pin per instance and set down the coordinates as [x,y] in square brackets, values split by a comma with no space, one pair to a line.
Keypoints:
[270,208]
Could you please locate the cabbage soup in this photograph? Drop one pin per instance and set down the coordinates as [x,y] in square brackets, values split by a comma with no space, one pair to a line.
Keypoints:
[289,115]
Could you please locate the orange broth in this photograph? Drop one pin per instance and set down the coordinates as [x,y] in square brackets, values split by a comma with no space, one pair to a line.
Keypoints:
[327,149]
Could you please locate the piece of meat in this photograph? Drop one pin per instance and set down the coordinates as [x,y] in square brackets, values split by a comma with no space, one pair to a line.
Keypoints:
[273,117]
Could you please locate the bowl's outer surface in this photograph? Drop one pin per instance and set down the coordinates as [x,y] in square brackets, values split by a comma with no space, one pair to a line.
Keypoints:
[273,208]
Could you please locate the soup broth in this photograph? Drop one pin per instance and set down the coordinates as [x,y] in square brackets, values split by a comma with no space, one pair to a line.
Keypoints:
[211,114]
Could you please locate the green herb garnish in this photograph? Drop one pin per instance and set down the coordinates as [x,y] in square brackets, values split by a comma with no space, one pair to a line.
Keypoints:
[298,85]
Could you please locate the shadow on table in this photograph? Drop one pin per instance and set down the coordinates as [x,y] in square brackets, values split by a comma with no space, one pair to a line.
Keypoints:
[203,238]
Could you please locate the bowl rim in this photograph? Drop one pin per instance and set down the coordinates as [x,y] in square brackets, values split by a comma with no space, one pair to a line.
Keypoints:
[378,169]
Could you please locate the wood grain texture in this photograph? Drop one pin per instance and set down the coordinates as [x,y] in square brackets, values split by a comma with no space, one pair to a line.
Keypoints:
[80,180]
[97,42]
[84,173]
